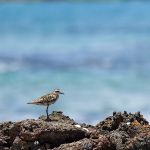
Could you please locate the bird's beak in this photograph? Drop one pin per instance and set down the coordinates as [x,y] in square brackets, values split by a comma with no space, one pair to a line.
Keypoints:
[61,93]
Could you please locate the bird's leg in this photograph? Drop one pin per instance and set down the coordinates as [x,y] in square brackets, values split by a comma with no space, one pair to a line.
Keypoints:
[47,112]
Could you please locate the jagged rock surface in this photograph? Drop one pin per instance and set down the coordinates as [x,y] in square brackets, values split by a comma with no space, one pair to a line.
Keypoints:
[121,131]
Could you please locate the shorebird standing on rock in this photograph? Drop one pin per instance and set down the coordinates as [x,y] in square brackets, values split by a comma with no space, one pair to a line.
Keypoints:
[47,100]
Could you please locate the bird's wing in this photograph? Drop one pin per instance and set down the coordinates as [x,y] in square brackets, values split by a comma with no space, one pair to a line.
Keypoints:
[51,97]
[36,101]
[45,99]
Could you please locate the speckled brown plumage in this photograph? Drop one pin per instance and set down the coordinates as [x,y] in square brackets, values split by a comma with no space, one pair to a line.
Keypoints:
[47,99]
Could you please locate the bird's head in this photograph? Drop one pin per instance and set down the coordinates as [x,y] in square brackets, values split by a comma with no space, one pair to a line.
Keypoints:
[58,91]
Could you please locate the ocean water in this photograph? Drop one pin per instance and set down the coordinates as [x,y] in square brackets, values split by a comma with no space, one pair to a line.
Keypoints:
[97,53]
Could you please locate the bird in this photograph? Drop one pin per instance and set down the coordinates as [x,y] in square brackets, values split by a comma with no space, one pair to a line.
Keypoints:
[47,99]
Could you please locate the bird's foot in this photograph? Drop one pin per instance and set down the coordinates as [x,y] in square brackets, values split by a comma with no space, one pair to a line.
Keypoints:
[48,119]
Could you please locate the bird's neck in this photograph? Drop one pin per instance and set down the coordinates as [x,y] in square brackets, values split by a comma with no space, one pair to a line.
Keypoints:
[56,94]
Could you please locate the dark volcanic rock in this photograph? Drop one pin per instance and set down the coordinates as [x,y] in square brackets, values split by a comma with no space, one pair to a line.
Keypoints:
[126,131]
[84,144]
[34,134]
[121,131]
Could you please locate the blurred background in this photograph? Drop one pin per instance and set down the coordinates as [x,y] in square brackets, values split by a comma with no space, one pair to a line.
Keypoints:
[98,53]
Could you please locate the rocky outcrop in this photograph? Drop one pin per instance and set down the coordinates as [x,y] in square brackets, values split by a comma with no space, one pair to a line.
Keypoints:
[121,131]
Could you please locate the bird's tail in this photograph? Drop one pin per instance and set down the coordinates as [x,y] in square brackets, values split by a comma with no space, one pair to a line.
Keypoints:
[30,103]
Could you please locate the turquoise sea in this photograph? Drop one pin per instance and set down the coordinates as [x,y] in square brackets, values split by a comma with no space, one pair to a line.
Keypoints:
[97,53]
